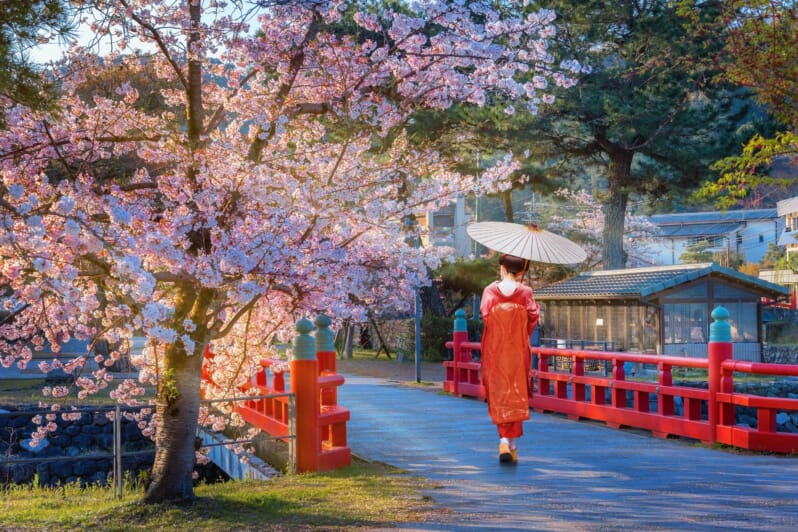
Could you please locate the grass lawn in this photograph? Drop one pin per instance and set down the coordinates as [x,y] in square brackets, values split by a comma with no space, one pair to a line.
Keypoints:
[361,496]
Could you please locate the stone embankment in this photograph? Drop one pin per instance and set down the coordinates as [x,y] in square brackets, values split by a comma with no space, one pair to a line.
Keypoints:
[780,354]
[66,455]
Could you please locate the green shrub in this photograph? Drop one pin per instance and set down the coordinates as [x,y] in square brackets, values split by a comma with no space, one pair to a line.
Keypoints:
[437,330]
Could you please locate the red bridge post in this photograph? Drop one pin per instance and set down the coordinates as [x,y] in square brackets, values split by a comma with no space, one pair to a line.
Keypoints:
[305,384]
[459,336]
[720,348]
[332,419]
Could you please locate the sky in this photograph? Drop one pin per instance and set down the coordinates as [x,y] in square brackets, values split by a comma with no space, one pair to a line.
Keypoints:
[47,53]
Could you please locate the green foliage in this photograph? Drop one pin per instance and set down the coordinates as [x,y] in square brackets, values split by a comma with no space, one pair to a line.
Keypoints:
[21,26]
[696,253]
[751,170]
[703,251]
[645,122]
[437,330]
[464,278]
[772,256]
[787,262]
[758,51]
[169,389]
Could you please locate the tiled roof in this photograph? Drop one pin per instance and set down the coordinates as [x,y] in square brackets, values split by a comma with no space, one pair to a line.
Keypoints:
[714,216]
[698,229]
[639,283]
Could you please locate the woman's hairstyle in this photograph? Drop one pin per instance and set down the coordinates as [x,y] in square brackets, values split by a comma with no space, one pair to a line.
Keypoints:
[513,264]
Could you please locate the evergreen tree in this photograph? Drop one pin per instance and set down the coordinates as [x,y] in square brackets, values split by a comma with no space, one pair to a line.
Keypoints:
[23,24]
[647,115]
[758,40]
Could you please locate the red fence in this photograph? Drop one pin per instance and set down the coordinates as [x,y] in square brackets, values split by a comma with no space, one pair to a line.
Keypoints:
[320,429]
[620,402]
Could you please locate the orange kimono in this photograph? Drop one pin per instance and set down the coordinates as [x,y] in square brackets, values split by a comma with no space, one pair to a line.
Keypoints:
[509,321]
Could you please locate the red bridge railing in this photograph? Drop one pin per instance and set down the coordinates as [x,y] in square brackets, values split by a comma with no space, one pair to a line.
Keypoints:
[321,442]
[620,402]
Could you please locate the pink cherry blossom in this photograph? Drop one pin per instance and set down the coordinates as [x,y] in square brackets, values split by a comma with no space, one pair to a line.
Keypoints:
[276,160]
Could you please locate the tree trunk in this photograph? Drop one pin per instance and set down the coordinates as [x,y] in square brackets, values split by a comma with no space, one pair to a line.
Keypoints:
[178,397]
[178,402]
[349,341]
[178,410]
[620,167]
[507,198]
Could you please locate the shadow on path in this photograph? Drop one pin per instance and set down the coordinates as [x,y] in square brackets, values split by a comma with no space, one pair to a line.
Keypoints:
[571,475]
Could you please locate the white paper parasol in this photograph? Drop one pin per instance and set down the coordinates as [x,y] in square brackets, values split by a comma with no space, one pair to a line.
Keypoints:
[526,241]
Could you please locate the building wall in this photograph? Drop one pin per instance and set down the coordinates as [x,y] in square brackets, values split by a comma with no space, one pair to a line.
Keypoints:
[789,210]
[752,243]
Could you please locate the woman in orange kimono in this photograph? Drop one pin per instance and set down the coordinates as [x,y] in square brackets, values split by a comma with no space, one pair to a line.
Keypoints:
[510,314]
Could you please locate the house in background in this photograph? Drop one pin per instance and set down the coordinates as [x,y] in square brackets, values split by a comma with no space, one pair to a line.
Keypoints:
[788,239]
[745,232]
[658,310]
[788,209]
[447,227]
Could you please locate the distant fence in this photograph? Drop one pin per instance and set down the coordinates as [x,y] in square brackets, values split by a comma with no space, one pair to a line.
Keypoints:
[707,415]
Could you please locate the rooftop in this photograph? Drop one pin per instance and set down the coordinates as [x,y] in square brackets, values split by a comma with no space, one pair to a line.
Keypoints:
[742,215]
[640,283]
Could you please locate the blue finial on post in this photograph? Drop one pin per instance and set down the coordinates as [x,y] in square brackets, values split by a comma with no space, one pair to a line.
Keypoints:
[304,343]
[325,339]
[720,330]
[460,323]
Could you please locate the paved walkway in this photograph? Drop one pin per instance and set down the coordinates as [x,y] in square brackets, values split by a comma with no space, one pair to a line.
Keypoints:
[571,475]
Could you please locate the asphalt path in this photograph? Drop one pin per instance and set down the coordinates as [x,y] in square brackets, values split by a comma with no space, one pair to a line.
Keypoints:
[571,475]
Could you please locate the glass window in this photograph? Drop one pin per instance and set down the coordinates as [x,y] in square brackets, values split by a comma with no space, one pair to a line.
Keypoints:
[562,328]
[742,318]
[602,323]
[685,323]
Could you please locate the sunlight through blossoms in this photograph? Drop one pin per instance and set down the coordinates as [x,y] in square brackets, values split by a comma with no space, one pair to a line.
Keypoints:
[253,168]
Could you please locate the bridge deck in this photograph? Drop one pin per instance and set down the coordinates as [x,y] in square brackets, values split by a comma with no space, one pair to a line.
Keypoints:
[571,475]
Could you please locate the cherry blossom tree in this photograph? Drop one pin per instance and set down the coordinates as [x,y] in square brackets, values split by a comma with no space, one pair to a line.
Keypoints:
[585,224]
[272,183]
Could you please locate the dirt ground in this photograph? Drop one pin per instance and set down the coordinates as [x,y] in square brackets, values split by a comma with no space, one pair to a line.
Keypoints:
[405,371]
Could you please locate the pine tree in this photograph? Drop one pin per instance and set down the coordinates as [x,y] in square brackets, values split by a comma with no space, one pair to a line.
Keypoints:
[23,23]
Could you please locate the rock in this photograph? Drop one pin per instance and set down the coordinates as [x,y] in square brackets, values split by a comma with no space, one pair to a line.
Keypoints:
[61,470]
[21,473]
[84,468]
[131,432]
[73,451]
[83,441]
[43,472]
[60,440]
[40,446]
